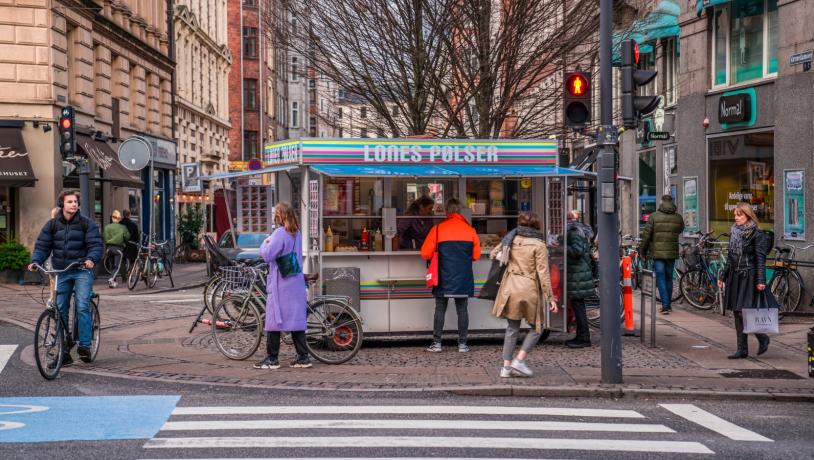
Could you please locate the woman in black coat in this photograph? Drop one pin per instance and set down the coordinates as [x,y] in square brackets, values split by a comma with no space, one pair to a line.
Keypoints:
[744,275]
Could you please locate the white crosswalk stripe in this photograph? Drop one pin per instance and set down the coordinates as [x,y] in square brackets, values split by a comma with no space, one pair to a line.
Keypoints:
[5,354]
[407,429]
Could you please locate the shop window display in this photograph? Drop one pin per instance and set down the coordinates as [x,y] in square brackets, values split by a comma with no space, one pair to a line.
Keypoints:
[741,168]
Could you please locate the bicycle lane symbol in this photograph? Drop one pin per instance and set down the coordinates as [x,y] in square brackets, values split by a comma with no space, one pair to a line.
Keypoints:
[9,409]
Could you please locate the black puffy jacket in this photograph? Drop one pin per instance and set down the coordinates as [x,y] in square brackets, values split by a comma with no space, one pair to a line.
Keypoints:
[67,242]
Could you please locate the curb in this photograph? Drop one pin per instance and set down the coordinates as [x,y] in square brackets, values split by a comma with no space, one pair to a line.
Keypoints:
[173,289]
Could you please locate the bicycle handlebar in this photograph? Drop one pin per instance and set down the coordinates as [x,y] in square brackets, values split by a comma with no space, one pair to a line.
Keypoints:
[70,266]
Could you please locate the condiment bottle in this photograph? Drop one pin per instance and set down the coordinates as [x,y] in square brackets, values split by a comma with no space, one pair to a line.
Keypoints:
[365,238]
[378,241]
[329,240]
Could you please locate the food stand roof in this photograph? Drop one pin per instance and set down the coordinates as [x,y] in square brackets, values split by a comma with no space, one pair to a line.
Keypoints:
[445,170]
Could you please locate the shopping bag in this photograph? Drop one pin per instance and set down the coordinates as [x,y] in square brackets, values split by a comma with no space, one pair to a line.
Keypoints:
[492,284]
[764,319]
[432,269]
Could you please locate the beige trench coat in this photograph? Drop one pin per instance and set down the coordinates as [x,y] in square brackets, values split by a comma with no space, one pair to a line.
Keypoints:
[526,287]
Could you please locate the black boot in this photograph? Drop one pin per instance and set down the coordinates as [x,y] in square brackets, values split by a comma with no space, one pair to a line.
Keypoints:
[763,343]
[743,343]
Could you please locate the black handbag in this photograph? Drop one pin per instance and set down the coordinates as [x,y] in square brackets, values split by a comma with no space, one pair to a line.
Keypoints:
[492,284]
[289,264]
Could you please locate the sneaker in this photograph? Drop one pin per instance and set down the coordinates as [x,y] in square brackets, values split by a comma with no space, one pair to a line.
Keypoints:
[665,311]
[506,372]
[84,353]
[463,348]
[301,363]
[521,368]
[435,347]
[267,363]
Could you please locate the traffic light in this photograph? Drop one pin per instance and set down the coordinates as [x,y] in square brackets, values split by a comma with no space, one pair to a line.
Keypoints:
[577,99]
[67,134]
[633,106]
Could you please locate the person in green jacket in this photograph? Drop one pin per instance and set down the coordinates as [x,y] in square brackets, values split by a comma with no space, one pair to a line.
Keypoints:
[116,236]
[660,242]
[579,277]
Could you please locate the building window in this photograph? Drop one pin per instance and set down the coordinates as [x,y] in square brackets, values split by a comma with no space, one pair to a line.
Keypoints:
[295,114]
[647,186]
[250,94]
[250,42]
[250,3]
[339,113]
[312,83]
[294,72]
[363,113]
[741,169]
[250,145]
[744,41]
[339,132]
[395,110]
[363,132]
[671,55]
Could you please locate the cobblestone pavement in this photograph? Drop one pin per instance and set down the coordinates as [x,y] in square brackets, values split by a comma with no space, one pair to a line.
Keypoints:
[145,335]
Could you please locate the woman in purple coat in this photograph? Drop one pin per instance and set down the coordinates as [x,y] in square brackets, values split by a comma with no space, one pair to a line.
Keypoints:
[286,305]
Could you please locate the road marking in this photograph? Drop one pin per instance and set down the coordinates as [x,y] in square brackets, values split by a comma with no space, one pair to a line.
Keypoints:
[177,301]
[351,458]
[714,423]
[5,354]
[446,410]
[413,425]
[627,445]
[164,296]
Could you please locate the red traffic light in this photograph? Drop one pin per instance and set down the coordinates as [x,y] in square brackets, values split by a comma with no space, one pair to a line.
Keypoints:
[635,52]
[65,123]
[577,85]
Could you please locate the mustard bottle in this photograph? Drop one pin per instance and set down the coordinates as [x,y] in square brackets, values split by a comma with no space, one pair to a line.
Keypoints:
[329,240]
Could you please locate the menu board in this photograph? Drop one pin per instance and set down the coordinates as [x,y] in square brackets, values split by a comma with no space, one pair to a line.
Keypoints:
[254,208]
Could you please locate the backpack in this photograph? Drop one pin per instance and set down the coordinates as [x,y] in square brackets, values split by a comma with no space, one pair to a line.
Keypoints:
[52,225]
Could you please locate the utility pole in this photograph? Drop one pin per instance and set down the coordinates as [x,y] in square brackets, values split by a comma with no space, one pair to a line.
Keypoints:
[608,217]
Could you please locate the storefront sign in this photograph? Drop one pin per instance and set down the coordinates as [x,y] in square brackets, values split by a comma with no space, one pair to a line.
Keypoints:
[164,151]
[658,136]
[801,58]
[412,151]
[235,166]
[189,177]
[794,209]
[690,205]
[735,108]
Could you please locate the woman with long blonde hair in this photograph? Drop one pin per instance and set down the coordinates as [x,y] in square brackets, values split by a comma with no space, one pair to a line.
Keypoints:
[744,276]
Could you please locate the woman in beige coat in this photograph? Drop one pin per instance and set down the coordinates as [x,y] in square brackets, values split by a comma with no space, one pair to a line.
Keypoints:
[524,291]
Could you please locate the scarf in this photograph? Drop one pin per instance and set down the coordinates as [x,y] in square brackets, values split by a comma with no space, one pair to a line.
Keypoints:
[506,242]
[738,235]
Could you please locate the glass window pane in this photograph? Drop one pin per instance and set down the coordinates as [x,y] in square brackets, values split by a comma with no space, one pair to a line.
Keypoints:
[647,186]
[774,25]
[721,26]
[746,41]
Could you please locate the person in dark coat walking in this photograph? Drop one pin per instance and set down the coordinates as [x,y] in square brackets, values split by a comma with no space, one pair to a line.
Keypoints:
[458,246]
[131,247]
[579,278]
[660,242]
[744,274]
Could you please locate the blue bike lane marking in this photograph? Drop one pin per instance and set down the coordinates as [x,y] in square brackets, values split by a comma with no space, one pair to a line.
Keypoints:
[83,418]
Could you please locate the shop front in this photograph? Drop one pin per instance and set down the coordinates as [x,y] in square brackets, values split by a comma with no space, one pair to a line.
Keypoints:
[15,172]
[367,204]
[158,197]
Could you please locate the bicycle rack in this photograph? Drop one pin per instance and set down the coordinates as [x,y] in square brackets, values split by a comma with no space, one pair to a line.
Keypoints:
[652,295]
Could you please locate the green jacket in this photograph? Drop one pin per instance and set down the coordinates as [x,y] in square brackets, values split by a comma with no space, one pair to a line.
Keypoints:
[660,236]
[116,235]
[579,275]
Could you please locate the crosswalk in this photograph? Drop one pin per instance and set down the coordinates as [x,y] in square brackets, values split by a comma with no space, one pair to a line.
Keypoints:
[5,354]
[411,431]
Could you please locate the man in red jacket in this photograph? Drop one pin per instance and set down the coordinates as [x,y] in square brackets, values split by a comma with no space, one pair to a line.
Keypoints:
[458,245]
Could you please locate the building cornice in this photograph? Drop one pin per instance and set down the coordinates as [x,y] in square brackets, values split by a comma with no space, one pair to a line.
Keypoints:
[203,113]
[184,15]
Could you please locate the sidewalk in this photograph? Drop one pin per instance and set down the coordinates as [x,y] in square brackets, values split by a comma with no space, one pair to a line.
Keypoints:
[145,336]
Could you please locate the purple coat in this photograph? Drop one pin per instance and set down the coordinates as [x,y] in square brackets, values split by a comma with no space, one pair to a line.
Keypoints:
[286,305]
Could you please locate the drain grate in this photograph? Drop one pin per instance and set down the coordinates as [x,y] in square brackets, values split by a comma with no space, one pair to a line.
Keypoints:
[772,374]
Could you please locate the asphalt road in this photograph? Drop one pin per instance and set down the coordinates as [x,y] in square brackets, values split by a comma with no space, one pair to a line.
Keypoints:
[189,421]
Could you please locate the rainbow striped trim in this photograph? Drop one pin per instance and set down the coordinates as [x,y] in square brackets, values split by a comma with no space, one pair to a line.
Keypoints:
[373,290]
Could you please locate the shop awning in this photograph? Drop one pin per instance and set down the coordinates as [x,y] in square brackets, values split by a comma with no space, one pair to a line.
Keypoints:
[445,170]
[15,166]
[104,157]
[701,5]
[662,22]
[235,174]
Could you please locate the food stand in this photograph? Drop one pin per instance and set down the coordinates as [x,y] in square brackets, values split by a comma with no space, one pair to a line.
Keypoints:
[360,189]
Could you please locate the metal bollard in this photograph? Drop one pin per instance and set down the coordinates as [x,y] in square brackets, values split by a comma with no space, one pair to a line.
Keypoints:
[652,276]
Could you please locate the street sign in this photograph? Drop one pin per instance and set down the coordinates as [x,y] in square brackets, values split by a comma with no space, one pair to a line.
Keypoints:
[190,183]
[658,136]
[801,58]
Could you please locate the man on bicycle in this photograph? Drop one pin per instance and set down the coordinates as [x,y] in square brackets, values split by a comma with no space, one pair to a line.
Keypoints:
[71,237]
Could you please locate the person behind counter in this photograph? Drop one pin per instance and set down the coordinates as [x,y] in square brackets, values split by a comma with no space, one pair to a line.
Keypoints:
[523,251]
[287,304]
[413,231]
[458,245]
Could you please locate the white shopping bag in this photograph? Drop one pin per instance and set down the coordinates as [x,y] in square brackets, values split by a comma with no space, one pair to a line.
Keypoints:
[760,321]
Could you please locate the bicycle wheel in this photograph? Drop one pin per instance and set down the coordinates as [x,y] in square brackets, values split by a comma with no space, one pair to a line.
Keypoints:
[135,274]
[168,269]
[96,328]
[787,288]
[108,264]
[49,344]
[151,268]
[676,294]
[699,289]
[334,331]
[237,327]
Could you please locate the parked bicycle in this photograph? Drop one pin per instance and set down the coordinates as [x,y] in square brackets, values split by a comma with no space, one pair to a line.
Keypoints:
[334,332]
[52,337]
[705,261]
[786,283]
[152,262]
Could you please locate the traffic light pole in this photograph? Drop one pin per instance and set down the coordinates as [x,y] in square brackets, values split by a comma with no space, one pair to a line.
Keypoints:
[84,187]
[608,217]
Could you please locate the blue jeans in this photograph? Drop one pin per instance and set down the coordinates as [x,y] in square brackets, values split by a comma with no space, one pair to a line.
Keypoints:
[664,279]
[80,283]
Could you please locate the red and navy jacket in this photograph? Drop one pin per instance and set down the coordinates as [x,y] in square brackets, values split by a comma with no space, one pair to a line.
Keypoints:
[458,245]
